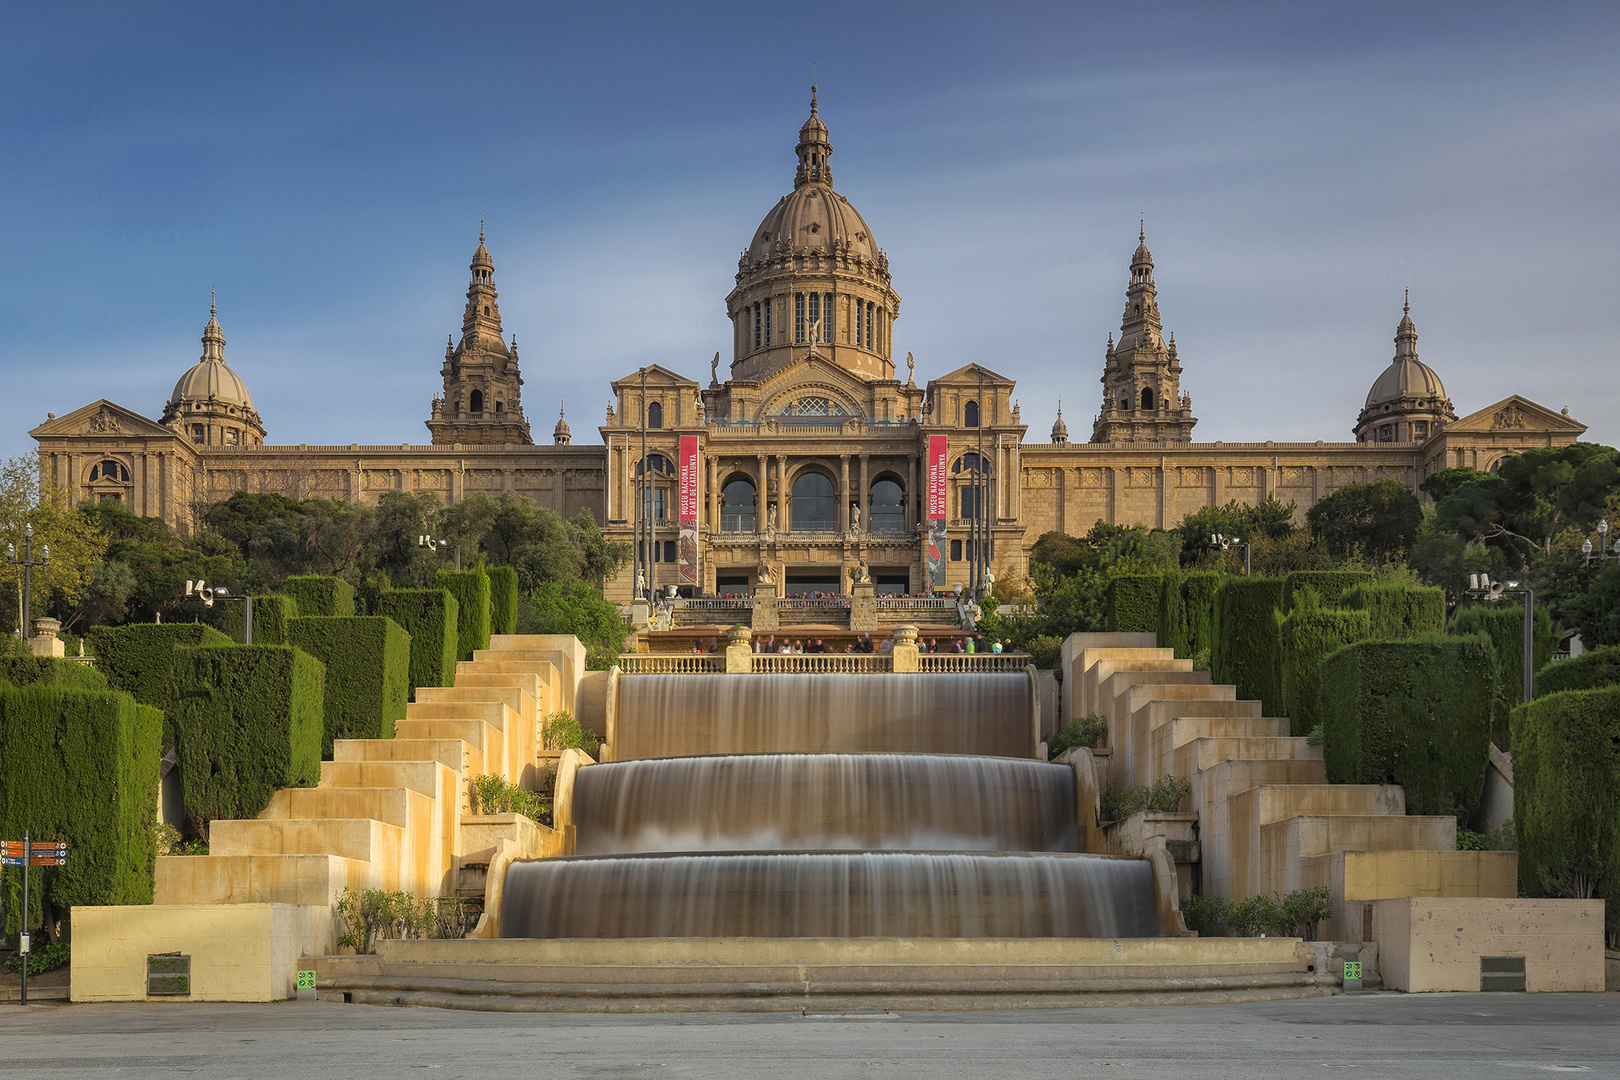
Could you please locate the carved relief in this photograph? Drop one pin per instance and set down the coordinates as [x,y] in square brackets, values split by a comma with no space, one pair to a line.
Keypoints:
[1509,417]
[1038,478]
[1091,478]
[1292,476]
[1242,476]
[1192,477]
[105,423]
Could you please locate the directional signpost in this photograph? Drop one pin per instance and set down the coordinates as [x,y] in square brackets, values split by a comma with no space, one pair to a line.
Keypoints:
[25,854]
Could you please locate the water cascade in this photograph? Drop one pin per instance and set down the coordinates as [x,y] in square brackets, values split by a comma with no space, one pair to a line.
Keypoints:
[826,806]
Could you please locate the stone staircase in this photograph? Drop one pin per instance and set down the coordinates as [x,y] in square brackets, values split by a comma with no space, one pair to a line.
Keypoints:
[1268,820]
[394,813]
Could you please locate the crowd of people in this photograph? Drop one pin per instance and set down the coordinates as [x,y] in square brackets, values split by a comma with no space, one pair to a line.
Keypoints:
[770,644]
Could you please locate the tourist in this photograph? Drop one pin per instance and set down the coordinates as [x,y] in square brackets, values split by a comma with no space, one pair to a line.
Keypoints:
[933,646]
[867,647]
[995,646]
[888,645]
[957,646]
[970,646]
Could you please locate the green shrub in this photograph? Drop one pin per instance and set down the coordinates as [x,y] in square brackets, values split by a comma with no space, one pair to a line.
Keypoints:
[503,600]
[1398,611]
[42,958]
[1302,912]
[471,590]
[1162,796]
[79,766]
[491,794]
[1310,634]
[1500,838]
[247,722]
[1198,601]
[270,615]
[1133,604]
[1414,713]
[368,673]
[1248,651]
[315,594]
[1088,731]
[1588,671]
[1252,917]
[1172,614]
[1328,585]
[563,732]
[139,660]
[1566,798]
[1202,914]
[573,607]
[1504,625]
[364,917]
[429,616]
[51,671]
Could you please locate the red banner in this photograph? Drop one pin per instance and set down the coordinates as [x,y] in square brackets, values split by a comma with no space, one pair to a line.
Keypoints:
[937,455]
[689,510]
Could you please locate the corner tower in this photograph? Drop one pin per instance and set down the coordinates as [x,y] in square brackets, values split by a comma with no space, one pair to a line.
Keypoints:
[1142,398]
[482,400]
[813,276]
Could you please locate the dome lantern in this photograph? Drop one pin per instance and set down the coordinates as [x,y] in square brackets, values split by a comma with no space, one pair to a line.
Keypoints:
[211,403]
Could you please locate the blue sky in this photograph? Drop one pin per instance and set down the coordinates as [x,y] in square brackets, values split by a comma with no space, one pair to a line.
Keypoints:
[325,167]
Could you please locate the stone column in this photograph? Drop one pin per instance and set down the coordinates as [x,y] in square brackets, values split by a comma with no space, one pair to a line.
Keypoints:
[714,493]
[863,498]
[739,653]
[843,493]
[762,495]
[782,522]
[1164,492]
[905,649]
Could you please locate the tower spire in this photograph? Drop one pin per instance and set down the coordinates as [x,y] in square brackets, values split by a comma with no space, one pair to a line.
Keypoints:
[814,149]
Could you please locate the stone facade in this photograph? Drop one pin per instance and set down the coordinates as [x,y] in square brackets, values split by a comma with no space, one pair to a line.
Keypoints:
[812,453]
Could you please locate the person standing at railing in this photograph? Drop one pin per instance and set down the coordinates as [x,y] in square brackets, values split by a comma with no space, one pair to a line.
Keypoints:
[995,646]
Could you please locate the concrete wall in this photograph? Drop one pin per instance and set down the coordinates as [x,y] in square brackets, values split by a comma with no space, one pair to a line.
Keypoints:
[1435,943]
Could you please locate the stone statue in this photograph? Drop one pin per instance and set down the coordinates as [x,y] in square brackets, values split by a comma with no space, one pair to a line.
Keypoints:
[770,518]
[855,518]
[764,575]
[863,574]
[911,370]
[641,584]
[714,370]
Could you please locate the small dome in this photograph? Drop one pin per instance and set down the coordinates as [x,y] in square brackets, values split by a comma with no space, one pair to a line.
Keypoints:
[1060,430]
[560,432]
[1406,378]
[211,380]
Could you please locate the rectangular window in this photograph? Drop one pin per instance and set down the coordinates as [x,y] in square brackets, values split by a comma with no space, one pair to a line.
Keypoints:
[660,504]
[769,341]
[956,551]
[230,436]
[860,321]
[815,315]
[828,322]
[798,318]
[669,551]
[199,434]
[756,326]
[970,502]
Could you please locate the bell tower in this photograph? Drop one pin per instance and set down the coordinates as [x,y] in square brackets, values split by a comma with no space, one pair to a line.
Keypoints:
[482,400]
[1142,398]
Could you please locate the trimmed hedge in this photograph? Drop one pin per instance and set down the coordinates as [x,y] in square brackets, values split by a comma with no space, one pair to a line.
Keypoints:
[368,673]
[1247,649]
[270,615]
[429,616]
[247,721]
[316,594]
[139,660]
[1414,713]
[80,766]
[1328,585]
[51,671]
[1591,670]
[503,600]
[1504,624]
[1399,611]
[1566,795]
[1133,604]
[1198,598]
[471,590]
[1310,635]
[1172,614]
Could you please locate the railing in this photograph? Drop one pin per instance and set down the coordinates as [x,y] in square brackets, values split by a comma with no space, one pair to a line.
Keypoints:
[816,603]
[954,663]
[822,663]
[672,663]
[713,604]
[916,603]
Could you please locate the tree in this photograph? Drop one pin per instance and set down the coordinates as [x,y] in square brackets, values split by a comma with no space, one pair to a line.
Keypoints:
[557,607]
[1530,499]
[76,543]
[1272,519]
[1380,520]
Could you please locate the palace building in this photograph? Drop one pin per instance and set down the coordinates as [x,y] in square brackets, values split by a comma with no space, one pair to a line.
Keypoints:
[813,459]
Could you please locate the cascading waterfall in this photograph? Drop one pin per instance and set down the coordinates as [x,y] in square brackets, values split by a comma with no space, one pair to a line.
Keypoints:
[826,806]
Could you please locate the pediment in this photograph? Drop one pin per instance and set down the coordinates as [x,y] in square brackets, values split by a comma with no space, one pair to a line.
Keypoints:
[101,418]
[1516,413]
[968,375]
[657,376]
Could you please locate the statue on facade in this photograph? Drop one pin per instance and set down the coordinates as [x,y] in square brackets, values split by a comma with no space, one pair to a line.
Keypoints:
[770,519]
[714,370]
[855,518]
[911,371]
[863,574]
[763,575]
[641,584]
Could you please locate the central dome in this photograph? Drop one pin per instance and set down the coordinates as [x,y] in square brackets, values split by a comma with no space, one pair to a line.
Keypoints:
[813,218]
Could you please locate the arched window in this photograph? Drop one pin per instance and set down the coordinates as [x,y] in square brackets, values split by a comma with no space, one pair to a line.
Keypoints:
[486,310]
[109,470]
[814,508]
[475,403]
[888,507]
[1147,397]
[970,414]
[738,507]
[970,463]
[655,415]
[656,463]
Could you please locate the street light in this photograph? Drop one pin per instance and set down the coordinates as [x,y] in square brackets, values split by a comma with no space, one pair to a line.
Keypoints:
[1603,551]
[28,563]
[1481,587]
[199,590]
[1225,543]
[434,545]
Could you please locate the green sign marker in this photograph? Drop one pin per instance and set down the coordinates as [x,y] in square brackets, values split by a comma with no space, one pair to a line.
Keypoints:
[1352,970]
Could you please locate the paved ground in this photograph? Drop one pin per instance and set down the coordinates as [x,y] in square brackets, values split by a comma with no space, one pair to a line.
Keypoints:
[1470,1036]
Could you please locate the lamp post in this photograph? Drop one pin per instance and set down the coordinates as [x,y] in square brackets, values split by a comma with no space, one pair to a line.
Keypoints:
[28,563]
[1603,551]
[200,590]
[1481,587]
[434,545]
[1225,543]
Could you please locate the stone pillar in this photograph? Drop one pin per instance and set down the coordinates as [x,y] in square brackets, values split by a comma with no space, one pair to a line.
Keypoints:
[905,649]
[913,496]
[714,493]
[1164,493]
[739,654]
[45,642]
[863,606]
[863,497]
[843,493]
[782,522]
[765,612]
[762,495]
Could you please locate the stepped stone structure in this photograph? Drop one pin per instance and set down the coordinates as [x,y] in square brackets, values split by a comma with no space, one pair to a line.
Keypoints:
[812,454]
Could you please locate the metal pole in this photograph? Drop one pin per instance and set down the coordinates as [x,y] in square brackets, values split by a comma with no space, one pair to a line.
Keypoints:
[646,490]
[247,620]
[1246,565]
[1529,643]
[28,587]
[978,507]
[22,937]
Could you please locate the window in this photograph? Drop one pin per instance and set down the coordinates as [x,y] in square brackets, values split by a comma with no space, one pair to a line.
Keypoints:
[768,339]
[475,403]
[860,323]
[199,434]
[888,507]
[1386,433]
[738,507]
[669,551]
[814,508]
[111,497]
[970,502]
[970,463]
[230,436]
[657,463]
[827,320]
[871,317]
[486,309]
[970,414]
[1147,397]
[655,415]
[956,551]
[815,316]
[109,470]
[813,406]
[660,504]
[498,406]
[798,318]
[757,326]
[1421,429]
